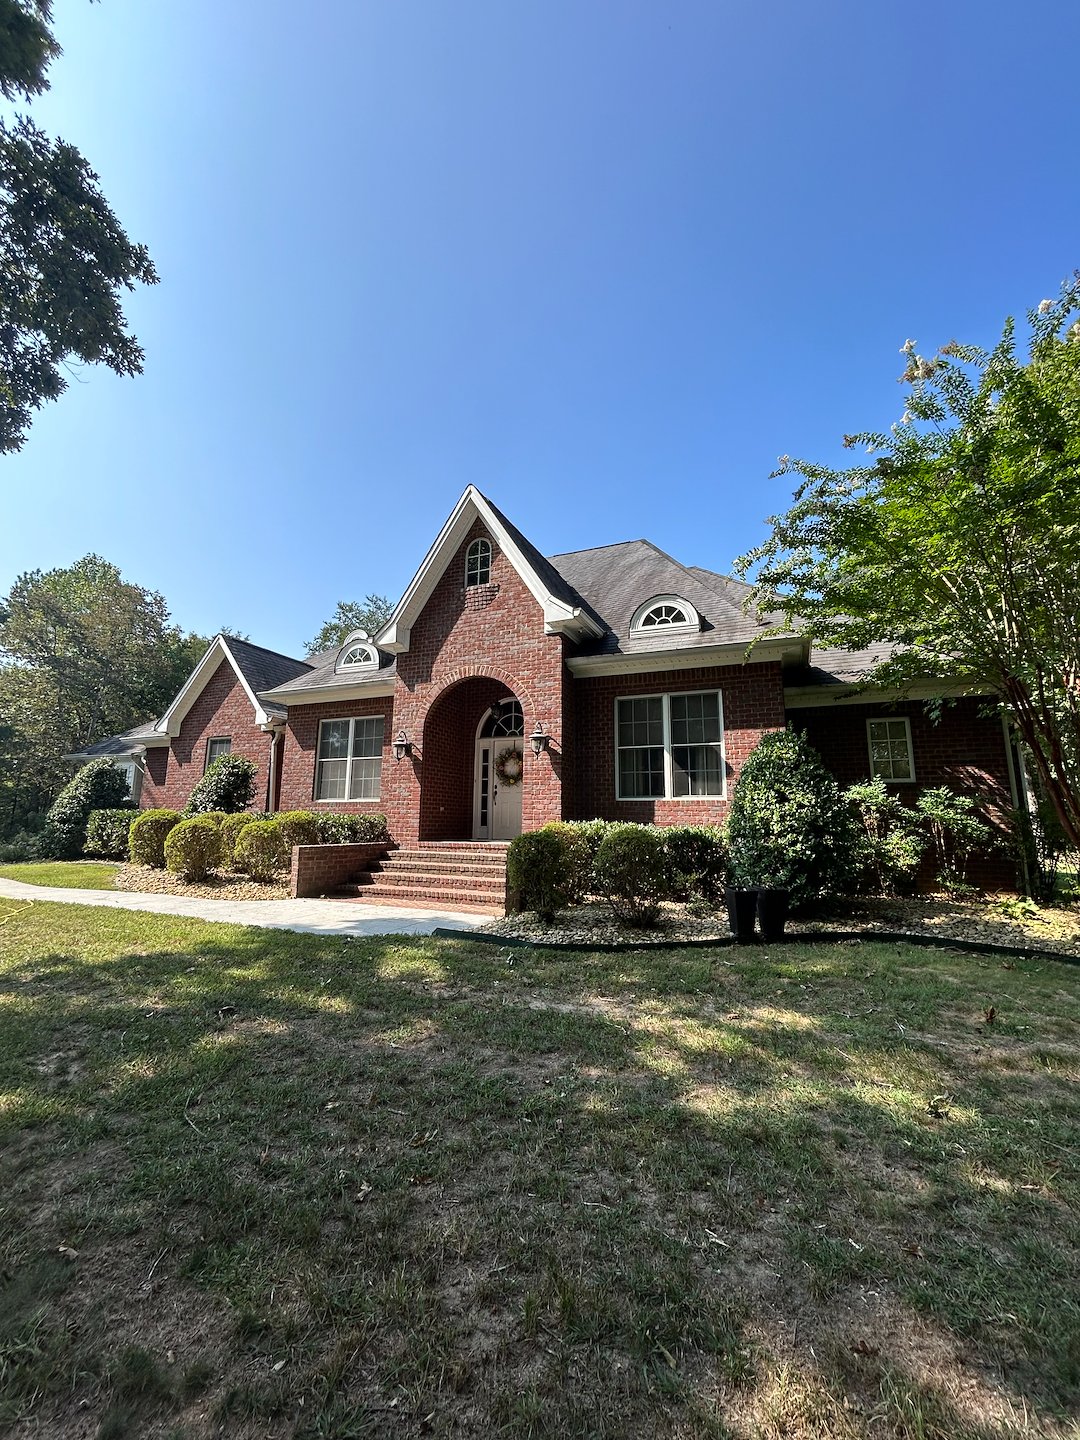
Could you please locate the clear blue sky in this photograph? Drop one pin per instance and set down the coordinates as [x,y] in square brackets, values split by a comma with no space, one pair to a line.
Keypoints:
[603,259]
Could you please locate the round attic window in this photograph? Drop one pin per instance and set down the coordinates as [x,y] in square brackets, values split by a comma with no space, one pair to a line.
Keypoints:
[358,653]
[665,613]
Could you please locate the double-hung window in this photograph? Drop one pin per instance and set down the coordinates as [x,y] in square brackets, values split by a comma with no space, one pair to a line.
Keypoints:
[670,747]
[348,765]
[217,746]
[890,750]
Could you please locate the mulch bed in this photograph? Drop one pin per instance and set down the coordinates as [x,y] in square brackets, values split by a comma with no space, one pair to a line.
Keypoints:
[215,887]
[990,920]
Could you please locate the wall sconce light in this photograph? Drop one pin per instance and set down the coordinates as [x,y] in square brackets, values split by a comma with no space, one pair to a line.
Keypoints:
[540,740]
[402,746]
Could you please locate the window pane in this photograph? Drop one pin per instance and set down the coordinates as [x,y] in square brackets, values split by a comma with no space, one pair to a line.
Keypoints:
[334,740]
[696,770]
[641,774]
[695,719]
[331,780]
[365,779]
[368,737]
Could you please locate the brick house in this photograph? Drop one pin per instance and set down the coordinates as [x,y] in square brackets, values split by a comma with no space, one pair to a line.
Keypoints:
[509,689]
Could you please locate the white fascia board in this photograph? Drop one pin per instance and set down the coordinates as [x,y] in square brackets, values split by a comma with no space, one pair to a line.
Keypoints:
[700,657]
[217,651]
[558,616]
[811,697]
[316,695]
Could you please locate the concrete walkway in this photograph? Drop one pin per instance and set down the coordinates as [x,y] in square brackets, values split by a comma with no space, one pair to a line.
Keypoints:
[312,917]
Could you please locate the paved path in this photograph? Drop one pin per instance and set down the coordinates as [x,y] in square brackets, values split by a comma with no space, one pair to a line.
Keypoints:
[314,917]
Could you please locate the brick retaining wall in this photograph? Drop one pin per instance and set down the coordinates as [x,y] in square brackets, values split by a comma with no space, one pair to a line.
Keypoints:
[318,868]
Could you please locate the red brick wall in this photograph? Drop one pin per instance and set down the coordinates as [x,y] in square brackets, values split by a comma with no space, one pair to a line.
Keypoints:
[496,632]
[298,753]
[223,708]
[318,868]
[965,750]
[753,699]
[446,799]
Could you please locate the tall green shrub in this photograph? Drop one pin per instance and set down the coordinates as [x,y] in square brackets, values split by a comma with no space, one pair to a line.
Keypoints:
[538,870]
[229,832]
[108,832]
[955,831]
[789,826]
[228,785]
[98,785]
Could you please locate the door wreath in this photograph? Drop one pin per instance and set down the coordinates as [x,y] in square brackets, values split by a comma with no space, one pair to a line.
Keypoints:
[508,767]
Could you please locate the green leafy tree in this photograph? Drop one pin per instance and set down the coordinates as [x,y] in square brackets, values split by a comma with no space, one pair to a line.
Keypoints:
[350,615]
[957,540]
[66,259]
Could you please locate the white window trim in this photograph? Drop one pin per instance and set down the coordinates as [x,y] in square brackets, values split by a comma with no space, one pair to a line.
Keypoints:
[669,788]
[370,662]
[886,719]
[474,545]
[350,757]
[692,622]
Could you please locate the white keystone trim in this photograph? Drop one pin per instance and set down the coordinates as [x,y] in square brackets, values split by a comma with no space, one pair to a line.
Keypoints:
[559,617]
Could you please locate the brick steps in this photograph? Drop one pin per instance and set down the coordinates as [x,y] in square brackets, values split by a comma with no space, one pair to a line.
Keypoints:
[458,875]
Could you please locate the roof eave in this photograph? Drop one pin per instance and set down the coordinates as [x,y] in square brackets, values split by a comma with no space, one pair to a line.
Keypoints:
[689,657]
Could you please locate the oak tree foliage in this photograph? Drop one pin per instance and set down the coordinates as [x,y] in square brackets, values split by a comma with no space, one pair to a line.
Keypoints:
[370,615]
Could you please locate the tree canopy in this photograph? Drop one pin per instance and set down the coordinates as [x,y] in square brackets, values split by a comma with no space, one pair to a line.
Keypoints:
[66,259]
[88,654]
[956,542]
[370,615]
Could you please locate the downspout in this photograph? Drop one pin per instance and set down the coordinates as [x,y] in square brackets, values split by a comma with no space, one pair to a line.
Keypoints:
[276,733]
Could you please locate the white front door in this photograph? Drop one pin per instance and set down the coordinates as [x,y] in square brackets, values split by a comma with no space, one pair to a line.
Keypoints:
[497,802]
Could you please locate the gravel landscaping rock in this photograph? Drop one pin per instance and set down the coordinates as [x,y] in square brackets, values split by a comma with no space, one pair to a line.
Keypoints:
[996,920]
[148,881]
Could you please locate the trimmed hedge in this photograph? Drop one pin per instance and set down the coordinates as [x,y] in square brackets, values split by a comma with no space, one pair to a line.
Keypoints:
[146,844]
[229,832]
[631,871]
[790,827]
[98,785]
[260,850]
[108,833]
[342,829]
[539,870]
[299,827]
[192,847]
[228,785]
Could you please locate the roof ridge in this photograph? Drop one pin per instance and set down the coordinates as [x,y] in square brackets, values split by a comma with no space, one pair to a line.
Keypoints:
[280,654]
[587,549]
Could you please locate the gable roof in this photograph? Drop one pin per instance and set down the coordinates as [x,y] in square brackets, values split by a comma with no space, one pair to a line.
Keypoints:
[562,609]
[255,667]
[131,742]
[323,681]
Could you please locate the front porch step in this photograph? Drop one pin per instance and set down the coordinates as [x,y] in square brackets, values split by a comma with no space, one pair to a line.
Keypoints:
[457,875]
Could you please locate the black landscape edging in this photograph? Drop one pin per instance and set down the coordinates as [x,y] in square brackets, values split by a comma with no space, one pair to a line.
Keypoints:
[802,937]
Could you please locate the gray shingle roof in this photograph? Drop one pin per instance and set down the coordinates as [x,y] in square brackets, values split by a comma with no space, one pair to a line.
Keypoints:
[615,580]
[321,675]
[840,667]
[265,669]
[125,744]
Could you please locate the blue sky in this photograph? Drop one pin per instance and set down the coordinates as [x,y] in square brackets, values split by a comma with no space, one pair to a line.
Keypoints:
[604,260]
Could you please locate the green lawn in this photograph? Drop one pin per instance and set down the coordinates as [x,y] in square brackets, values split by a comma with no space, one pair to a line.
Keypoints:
[261,1184]
[72,875]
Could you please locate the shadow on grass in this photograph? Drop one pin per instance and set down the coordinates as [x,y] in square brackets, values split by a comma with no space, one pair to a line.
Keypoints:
[392,1178]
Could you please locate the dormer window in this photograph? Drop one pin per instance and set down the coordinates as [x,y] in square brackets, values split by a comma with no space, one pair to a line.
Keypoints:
[663,614]
[358,653]
[478,563]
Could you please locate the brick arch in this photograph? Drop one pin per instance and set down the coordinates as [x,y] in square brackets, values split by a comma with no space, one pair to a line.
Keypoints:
[484,672]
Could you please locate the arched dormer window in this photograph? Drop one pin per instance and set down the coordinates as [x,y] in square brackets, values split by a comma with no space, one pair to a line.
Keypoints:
[478,563]
[358,653]
[664,613]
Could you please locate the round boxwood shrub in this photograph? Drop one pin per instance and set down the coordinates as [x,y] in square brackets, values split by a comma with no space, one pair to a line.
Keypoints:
[192,847]
[630,870]
[108,832]
[98,785]
[299,827]
[790,827]
[260,850]
[697,861]
[146,843]
[228,785]
[229,832]
[538,870]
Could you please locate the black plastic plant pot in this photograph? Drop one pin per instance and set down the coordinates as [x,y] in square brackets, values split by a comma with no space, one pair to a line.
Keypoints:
[772,912]
[742,910]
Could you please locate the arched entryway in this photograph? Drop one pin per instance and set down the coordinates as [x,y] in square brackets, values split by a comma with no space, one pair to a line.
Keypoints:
[472,745]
